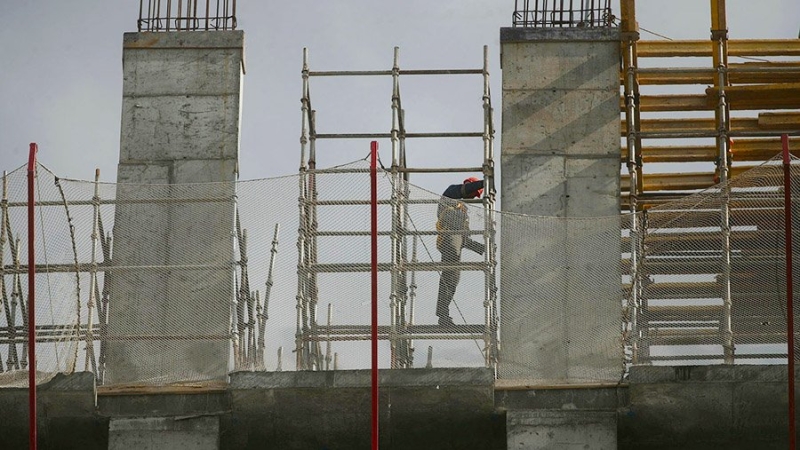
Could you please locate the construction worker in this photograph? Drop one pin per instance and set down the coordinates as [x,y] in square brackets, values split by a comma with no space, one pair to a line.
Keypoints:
[453,226]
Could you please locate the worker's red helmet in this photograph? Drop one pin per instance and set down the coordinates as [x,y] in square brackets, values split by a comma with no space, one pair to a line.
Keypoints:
[479,192]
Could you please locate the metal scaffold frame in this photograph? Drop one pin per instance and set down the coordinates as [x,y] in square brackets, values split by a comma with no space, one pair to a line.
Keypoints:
[753,86]
[402,330]
[249,311]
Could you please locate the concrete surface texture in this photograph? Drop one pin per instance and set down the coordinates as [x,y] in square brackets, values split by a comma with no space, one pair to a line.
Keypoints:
[560,158]
[164,433]
[419,409]
[660,408]
[180,124]
[706,407]
[557,430]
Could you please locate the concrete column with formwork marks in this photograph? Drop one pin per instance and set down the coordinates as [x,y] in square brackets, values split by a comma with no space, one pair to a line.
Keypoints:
[170,296]
[561,278]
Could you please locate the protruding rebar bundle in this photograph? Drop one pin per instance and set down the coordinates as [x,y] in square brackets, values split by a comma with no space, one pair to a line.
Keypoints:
[583,13]
[182,15]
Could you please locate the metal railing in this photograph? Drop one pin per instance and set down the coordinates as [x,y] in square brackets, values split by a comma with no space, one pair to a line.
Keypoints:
[186,15]
[562,13]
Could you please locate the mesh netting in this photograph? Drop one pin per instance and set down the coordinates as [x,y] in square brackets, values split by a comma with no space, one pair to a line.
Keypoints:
[710,286]
[561,297]
[164,284]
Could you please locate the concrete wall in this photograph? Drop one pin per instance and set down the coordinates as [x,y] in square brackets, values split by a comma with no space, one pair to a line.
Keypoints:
[563,418]
[708,407]
[180,124]
[419,408]
[535,430]
[164,433]
[705,407]
[560,158]
[67,415]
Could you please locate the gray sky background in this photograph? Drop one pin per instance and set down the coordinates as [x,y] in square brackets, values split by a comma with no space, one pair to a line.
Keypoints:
[61,73]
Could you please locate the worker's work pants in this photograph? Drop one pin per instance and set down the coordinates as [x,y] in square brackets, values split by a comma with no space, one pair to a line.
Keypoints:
[450,248]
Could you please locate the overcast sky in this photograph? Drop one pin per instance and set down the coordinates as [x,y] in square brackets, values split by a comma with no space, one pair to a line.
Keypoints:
[61,73]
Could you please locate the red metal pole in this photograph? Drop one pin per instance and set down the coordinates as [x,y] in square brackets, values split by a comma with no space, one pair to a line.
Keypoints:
[373,172]
[787,207]
[374,225]
[31,300]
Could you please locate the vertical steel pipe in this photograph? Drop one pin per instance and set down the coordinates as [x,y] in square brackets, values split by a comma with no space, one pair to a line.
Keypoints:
[12,346]
[488,341]
[93,276]
[404,294]
[32,423]
[302,273]
[630,36]
[374,291]
[313,227]
[719,34]
[395,203]
[787,208]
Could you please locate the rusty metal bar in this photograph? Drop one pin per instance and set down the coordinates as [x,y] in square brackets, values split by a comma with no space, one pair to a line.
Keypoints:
[741,47]
[159,17]
[586,13]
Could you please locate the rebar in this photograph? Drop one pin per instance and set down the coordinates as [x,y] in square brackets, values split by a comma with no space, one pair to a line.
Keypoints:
[571,13]
[174,16]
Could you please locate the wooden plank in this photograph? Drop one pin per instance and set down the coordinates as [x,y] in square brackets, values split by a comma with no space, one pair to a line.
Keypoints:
[205,387]
[764,72]
[758,96]
[672,181]
[738,73]
[751,242]
[654,103]
[781,120]
[761,149]
[668,77]
[674,154]
[762,218]
[736,47]
[742,150]
[706,265]
[689,125]
[704,337]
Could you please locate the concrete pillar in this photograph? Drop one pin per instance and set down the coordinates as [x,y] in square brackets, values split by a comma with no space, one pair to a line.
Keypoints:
[561,281]
[180,124]
[164,433]
[551,429]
